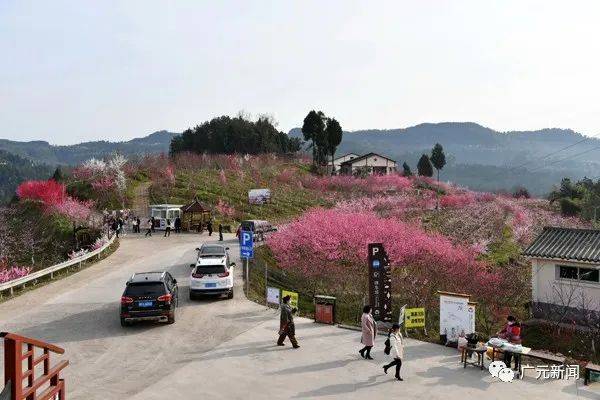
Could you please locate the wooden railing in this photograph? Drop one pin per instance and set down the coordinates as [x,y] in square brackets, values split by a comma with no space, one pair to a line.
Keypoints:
[48,385]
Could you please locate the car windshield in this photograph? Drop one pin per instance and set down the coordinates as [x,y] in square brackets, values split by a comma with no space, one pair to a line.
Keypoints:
[210,269]
[212,250]
[145,289]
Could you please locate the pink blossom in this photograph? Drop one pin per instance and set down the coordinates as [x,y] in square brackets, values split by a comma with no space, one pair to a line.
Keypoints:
[13,272]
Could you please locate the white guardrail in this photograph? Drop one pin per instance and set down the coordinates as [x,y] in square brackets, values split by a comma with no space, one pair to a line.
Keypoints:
[10,285]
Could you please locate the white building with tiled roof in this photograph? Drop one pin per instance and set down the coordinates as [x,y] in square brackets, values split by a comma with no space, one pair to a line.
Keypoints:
[565,271]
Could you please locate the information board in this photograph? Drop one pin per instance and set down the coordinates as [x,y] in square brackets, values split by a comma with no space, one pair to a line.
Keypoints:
[380,283]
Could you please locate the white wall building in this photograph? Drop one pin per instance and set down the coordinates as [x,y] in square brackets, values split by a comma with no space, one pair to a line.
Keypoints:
[565,272]
[370,163]
[337,162]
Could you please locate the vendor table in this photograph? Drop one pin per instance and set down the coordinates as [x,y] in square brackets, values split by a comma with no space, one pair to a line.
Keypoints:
[467,351]
[536,354]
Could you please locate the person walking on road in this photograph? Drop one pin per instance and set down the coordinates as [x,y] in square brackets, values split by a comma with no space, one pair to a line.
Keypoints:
[149,231]
[369,331]
[220,233]
[209,228]
[168,228]
[115,227]
[152,223]
[137,224]
[134,225]
[177,225]
[396,350]
[286,323]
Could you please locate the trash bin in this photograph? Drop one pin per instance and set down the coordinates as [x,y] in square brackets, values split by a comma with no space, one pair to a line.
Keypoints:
[325,309]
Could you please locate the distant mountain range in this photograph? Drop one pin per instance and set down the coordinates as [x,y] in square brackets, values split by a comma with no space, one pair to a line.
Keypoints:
[485,159]
[43,152]
[478,157]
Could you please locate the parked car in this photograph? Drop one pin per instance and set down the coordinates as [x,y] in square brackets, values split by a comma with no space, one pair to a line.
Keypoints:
[259,227]
[213,250]
[149,296]
[212,275]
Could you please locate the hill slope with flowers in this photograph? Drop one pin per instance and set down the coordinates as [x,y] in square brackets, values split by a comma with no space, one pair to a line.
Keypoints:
[440,237]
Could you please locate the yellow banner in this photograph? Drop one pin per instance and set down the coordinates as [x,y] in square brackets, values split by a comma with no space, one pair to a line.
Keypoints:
[414,318]
[293,297]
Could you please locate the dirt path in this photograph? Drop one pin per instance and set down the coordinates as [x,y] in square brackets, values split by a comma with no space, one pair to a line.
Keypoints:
[141,202]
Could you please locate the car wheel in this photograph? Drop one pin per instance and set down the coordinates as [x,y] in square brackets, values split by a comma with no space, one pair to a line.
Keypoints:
[230,294]
[124,323]
[193,296]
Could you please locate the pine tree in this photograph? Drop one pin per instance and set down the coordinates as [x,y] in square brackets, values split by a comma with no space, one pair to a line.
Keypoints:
[58,175]
[313,130]
[334,138]
[406,170]
[424,166]
[438,158]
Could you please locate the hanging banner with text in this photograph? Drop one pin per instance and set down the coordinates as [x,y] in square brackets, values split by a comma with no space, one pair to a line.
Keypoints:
[380,283]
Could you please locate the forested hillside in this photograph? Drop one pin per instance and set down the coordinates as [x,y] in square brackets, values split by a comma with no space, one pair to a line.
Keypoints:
[14,170]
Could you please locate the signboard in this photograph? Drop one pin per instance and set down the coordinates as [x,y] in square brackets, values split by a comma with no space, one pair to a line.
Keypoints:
[293,297]
[246,244]
[380,283]
[273,295]
[414,318]
[259,196]
[401,315]
[457,315]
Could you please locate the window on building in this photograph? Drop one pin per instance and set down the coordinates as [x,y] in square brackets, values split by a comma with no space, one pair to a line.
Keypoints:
[589,274]
[579,273]
[568,272]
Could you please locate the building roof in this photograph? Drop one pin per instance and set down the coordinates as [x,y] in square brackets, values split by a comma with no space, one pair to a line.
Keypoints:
[345,155]
[566,244]
[194,207]
[353,160]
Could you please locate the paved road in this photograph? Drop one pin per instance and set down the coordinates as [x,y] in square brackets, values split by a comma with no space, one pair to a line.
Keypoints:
[224,349]
[80,313]
[327,366]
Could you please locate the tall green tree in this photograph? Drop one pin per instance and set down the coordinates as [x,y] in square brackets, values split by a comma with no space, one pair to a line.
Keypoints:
[438,158]
[313,129]
[334,138]
[406,170]
[226,135]
[58,175]
[424,166]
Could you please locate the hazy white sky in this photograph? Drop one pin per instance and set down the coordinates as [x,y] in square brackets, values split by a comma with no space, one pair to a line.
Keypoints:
[72,71]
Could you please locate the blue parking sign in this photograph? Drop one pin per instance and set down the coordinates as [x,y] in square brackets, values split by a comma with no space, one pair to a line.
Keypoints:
[246,244]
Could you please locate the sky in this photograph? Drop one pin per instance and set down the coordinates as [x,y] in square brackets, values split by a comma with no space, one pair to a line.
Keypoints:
[73,71]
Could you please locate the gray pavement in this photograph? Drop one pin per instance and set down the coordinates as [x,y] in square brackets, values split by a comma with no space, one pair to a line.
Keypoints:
[224,349]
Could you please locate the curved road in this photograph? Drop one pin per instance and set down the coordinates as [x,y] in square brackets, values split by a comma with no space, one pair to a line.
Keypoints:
[81,314]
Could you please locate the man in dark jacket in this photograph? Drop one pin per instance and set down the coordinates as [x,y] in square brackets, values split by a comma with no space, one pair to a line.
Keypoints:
[220,233]
[286,323]
[209,228]
[177,225]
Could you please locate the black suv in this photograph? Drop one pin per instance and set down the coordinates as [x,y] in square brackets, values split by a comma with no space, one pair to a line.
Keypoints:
[149,296]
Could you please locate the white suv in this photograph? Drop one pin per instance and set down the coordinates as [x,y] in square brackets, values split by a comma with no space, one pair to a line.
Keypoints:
[212,275]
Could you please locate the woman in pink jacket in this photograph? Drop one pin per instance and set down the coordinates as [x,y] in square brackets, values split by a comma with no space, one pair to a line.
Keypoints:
[369,330]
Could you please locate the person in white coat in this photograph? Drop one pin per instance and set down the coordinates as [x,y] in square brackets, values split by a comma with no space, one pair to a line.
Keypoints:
[397,350]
